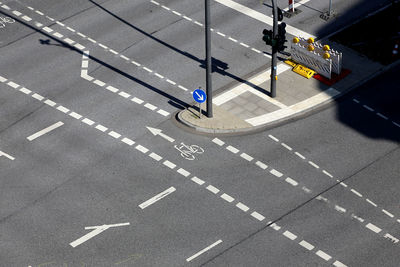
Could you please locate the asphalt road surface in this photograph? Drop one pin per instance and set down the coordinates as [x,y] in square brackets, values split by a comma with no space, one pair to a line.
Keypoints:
[85,182]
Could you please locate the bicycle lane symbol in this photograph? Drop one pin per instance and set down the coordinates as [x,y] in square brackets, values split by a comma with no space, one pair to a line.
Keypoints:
[4,20]
[188,151]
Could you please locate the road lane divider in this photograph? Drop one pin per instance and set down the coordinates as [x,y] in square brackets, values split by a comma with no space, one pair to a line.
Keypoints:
[157,197]
[6,155]
[239,205]
[123,94]
[345,186]
[203,250]
[45,130]
[212,29]
[107,49]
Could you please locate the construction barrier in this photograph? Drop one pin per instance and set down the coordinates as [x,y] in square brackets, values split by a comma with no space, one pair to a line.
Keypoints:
[316,56]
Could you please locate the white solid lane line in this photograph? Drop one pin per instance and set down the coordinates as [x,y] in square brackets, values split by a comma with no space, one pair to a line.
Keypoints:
[157,197]
[6,155]
[203,250]
[45,130]
[261,17]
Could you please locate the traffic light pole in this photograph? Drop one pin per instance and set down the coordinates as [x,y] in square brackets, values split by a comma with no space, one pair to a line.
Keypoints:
[274,49]
[208,59]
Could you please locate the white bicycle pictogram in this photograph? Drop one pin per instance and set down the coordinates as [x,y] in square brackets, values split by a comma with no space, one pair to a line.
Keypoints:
[4,20]
[187,151]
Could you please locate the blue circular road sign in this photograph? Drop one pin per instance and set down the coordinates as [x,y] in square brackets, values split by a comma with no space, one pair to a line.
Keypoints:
[199,96]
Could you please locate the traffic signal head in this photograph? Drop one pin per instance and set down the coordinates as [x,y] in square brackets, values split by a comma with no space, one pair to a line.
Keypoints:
[281,36]
[267,38]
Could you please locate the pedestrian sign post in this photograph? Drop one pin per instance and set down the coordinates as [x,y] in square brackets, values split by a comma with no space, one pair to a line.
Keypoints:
[200,97]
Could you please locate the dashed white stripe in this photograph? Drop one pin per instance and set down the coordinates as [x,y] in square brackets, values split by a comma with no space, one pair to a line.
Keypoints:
[356,100]
[75,115]
[246,157]
[159,75]
[13,84]
[242,207]
[343,184]
[142,149]
[299,155]
[183,88]
[154,2]
[291,181]
[306,245]
[63,109]
[382,116]
[198,23]
[112,89]
[102,46]
[290,235]
[313,164]
[177,13]
[276,173]
[150,106]
[26,18]
[171,82]
[232,149]
[2,79]
[72,30]
[47,29]
[59,23]
[189,19]
[355,192]
[99,83]
[183,172]
[212,189]
[37,96]
[368,107]
[169,164]
[25,91]
[323,255]
[163,112]
[137,100]
[257,215]
[273,138]
[327,173]
[245,45]
[17,13]
[388,213]
[197,180]
[398,125]
[147,69]
[40,13]
[230,38]
[220,33]
[101,128]
[114,134]
[124,57]
[50,18]
[275,227]
[155,156]
[58,35]
[128,141]
[218,141]
[261,165]
[124,94]
[88,121]
[373,228]
[82,35]
[339,264]
[114,52]
[286,146]
[227,197]
[372,203]
[137,64]
[165,7]
[50,103]
[256,50]
[340,209]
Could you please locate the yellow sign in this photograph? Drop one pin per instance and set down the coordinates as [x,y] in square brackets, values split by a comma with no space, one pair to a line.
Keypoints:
[304,71]
[291,63]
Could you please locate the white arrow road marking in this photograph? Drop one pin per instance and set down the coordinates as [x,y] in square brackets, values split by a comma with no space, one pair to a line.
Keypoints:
[156,131]
[203,250]
[6,155]
[45,130]
[157,197]
[96,230]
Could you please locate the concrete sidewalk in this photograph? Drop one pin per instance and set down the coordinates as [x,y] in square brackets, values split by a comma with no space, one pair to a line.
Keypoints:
[247,107]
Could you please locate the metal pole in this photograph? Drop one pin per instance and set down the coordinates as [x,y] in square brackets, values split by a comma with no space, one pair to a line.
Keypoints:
[330,6]
[274,49]
[208,60]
